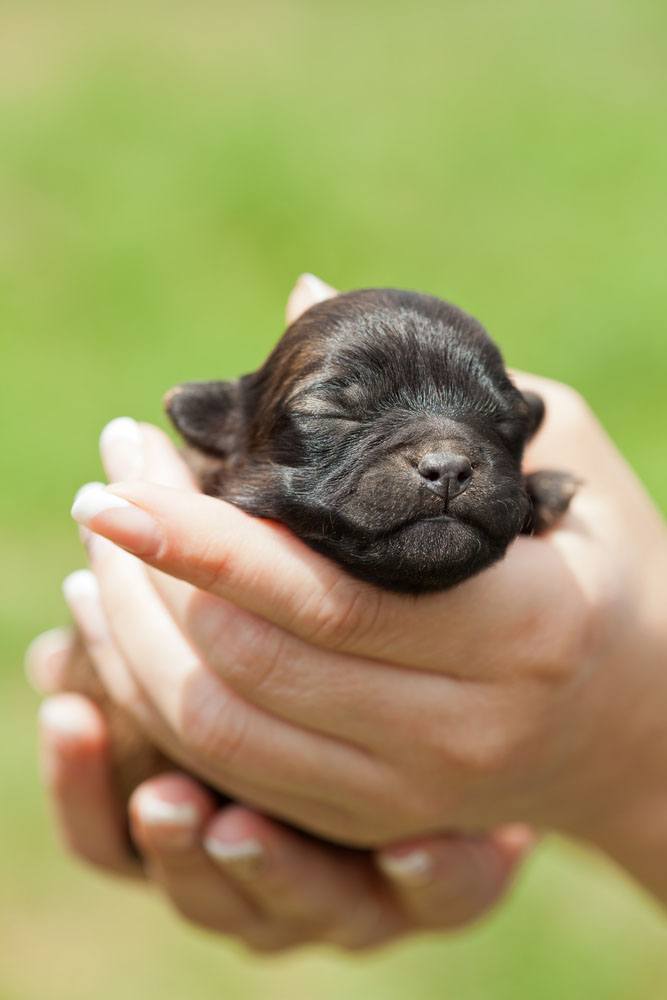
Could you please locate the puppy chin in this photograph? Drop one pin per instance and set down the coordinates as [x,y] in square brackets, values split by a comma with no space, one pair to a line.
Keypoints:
[423,556]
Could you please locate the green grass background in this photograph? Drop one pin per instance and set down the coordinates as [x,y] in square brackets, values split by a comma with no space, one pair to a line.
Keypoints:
[166,170]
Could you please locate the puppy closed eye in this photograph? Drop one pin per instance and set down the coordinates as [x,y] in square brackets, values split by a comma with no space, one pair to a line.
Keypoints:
[348,418]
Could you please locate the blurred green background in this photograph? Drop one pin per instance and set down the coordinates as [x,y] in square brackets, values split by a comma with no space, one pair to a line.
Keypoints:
[166,170]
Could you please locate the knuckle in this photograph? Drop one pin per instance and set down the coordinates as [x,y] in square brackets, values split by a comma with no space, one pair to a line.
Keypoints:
[481,749]
[217,565]
[259,657]
[345,615]
[212,723]
[553,654]
[489,753]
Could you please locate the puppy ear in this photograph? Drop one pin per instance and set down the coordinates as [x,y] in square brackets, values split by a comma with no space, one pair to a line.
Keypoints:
[536,411]
[208,415]
[307,292]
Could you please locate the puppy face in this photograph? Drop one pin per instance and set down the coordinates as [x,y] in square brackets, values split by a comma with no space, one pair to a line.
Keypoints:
[383,430]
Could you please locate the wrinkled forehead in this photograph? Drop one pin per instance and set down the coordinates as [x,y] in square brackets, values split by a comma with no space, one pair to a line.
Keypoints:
[395,371]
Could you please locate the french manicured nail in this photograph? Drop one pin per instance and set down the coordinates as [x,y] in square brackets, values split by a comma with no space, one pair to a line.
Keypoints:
[413,869]
[155,811]
[45,657]
[82,596]
[65,714]
[80,585]
[93,499]
[177,821]
[317,289]
[117,519]
[245,857]
[122,449]
[85,535]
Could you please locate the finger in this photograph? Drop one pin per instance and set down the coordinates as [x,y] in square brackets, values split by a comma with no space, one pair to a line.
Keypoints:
[83,596]
[140,451]
[268,571]
[571,438]
[217,728]
[274,670]
[47,659]
[77,771]
[168,814]
[453,880]
[307,292]
[325,893]
[125,447]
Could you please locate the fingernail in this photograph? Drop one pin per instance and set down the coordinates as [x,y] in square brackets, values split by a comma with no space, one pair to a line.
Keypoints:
[122,523]
[177,821]
[64,714]
[243,856]
[122,449]
[155,811]
[80,585]
[317,289]
[93,499]
[82,595]
[41,658]
[85,535]
[414,868]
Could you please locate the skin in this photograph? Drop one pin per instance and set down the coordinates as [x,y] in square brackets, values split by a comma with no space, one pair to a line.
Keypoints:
[296,890]
[531,693]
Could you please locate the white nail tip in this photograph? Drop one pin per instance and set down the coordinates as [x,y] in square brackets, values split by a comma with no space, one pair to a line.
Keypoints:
[64,715]
[87,487]
[90,502]
[241,850]
[407,867]
[123,429]
[121,445]
[317,288]
[80,584]
[158,812]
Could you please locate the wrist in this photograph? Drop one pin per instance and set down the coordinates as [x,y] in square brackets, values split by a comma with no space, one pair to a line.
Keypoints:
[627,817]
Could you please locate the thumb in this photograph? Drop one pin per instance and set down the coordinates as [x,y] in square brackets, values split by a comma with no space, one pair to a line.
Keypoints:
[452,880]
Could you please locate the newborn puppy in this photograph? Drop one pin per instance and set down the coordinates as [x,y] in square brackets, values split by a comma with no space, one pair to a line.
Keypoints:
[384,431]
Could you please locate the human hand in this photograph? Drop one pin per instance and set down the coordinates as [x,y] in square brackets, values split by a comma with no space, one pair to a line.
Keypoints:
[379,716]
[230,869]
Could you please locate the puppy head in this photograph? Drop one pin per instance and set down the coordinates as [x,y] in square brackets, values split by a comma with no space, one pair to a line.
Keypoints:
[383,430]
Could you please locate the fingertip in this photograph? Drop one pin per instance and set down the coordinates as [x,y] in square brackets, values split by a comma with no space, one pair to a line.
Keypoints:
[414,866]
[236,838]
[307,291]
[237,822]
[74,741]
[46,658]
[163,462]
[168,812]
[72,718]
[516,840]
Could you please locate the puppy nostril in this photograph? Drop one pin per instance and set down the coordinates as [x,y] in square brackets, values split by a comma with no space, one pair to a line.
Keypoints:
[446,472]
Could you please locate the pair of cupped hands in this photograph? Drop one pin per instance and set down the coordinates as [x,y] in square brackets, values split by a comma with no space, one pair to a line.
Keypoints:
[440,732]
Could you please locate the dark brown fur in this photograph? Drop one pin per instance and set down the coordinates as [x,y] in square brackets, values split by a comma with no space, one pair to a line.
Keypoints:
[328,436]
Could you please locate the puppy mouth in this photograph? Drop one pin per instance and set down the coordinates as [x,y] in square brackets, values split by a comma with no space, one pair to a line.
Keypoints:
[424,520]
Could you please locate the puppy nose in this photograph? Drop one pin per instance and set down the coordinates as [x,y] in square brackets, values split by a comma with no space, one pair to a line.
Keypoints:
[445,473]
